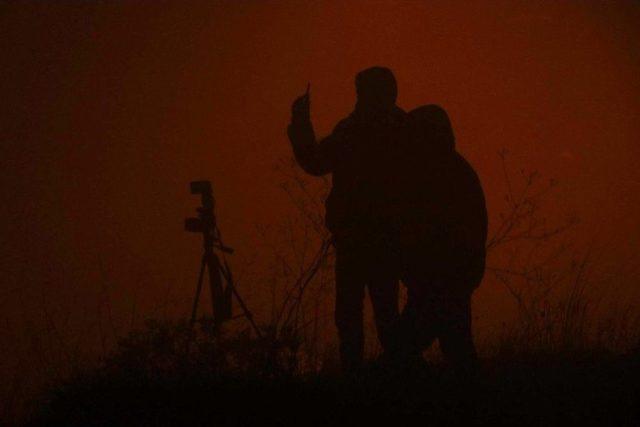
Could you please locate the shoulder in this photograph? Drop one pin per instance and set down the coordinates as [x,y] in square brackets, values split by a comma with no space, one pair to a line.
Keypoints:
[345,124]
[463,164]
[340,133]
[465,171]
[398,116]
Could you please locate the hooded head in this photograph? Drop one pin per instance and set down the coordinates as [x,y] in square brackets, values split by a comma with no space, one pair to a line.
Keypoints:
[432,126]
[376,88]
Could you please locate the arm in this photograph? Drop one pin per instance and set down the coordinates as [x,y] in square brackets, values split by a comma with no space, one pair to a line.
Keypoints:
[479,206]
[315,159]
[471,204]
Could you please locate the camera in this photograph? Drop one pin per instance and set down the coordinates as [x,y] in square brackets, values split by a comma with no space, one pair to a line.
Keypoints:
[200,187]
[205,221]
[203,188]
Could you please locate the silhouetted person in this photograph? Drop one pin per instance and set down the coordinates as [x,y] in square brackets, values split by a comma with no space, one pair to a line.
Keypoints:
[360,154]
[443,235]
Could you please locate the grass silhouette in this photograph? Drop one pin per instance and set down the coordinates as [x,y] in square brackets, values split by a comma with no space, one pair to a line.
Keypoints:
[152,379]
[556,363]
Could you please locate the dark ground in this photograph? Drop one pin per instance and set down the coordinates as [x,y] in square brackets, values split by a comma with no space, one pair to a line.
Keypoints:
[601,390]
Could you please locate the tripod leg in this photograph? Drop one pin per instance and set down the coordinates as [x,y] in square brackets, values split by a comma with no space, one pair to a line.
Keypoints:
[194,310]
[226,272]
[215,282]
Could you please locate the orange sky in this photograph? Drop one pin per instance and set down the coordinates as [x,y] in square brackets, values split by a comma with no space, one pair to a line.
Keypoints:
[108,111]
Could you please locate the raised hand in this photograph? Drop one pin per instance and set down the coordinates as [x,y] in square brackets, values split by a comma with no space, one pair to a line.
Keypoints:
[301,107]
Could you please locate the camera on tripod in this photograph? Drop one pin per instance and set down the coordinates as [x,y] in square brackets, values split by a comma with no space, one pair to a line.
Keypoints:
[206,220]
[220,278]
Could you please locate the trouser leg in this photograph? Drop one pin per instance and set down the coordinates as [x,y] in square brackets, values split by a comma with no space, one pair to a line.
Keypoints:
[383,290]
[456,339]
[407,331]
[349,309]
[419,322]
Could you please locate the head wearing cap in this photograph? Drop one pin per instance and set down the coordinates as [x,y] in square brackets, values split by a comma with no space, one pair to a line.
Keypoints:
[376,88]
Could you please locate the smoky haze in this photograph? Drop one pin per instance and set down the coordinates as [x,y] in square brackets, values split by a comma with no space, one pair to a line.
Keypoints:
[109,110]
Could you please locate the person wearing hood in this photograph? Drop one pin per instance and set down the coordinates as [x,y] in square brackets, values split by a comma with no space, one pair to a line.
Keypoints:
[361,154]
[443,235]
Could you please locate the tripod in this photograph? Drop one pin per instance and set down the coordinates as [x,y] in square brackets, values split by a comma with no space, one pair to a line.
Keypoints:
[220,277]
